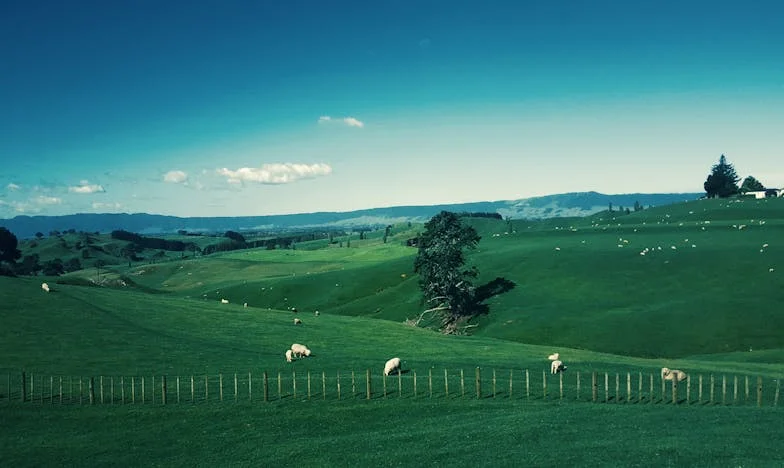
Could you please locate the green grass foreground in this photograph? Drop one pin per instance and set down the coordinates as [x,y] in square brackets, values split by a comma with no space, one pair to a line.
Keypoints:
[390,433]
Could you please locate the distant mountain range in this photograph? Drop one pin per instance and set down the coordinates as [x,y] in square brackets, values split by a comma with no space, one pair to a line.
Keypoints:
[550,206]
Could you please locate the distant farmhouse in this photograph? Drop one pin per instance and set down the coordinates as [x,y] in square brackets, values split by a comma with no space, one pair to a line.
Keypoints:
[771,192]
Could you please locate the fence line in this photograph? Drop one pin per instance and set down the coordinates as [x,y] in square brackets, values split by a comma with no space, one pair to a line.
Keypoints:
[164,390]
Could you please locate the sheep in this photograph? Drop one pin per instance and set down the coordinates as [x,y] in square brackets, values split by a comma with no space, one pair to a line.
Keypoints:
[300,350]
[288,355]
[556,367]
[245,305]
[45,287]
[297,321]
[393,365]
[673,374]
[224,301]
[554,357]
[316,313]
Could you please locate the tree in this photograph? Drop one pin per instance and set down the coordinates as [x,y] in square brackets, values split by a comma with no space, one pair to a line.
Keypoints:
[637,206]
[39,234]
[722,181]
[445,283]
[30,265]
[750,184]
[8,251]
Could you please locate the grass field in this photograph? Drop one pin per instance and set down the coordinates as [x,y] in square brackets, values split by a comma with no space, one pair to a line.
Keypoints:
[710,309]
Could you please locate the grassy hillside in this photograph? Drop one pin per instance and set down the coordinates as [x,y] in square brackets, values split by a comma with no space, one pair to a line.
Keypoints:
[704,285]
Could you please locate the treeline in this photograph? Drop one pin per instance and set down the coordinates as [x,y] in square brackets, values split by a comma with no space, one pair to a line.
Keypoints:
[152,242]
[466,214]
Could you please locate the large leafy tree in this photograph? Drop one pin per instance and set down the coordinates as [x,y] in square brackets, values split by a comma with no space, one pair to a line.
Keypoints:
[750,184]
[443,277]
[8,251]
[722,181]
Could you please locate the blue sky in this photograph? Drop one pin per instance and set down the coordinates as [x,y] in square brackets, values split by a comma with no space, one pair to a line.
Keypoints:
[231,108]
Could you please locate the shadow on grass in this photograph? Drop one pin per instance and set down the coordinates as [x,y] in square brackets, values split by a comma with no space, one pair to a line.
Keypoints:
[488,290]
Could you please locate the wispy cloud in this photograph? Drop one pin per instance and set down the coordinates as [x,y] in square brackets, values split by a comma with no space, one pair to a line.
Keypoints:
[175,177]
[278,173]
[107,206]
[13,187]
[86,187]
[44,200]
[349,121]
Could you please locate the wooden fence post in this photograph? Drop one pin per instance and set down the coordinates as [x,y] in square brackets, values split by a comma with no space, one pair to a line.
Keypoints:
[544,384]
[323,385]
[711,388]
[594,387]
[664,390]
[628,387]
[675,391]
[446,383]
[23,386]
[280,387]
[353,386]
[462,384]
[735,390]
[178,389]
[759,390]
[651,395]
[415,385]
[70,388]
[32,387]
[723,389]
[101,386]
[92,390]
[294,383]
[578,386]
[61,390]
[220,387]
[206,389]
[163,389]
[430,382]
[122,390]
[368,385]
[617,387]
[511,382]
[639,388]
[776,395]
[493,383]
[308,385]
[337,382]
[193,397]
[699,390]
[606,387]
[527,386]
[747,389]
[688,389]
[265,386]
[250,386]
[478,384]
[236,391]
[133,390]
[560,384]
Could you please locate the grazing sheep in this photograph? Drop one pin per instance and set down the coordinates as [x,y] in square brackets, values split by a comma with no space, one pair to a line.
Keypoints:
[224,301]
[554,357]
[45,287]
[245,305]
[317,313]
[673,374]
[288,355]
[300,350]
[297,321]
[556,367]
[393,365]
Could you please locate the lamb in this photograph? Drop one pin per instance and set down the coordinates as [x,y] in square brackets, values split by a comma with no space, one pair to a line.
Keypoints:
[393,365]
[317,313]
[224,301]
[554,357]
[297,321]
[288,355]
[673,374]
[45,287]
[300,350]
[557,366]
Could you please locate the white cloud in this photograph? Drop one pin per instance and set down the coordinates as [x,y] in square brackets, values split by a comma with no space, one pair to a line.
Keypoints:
[175,177]
[85,187]
[350,121]
[106,206]
[13,187]
[44,200]
[278,173]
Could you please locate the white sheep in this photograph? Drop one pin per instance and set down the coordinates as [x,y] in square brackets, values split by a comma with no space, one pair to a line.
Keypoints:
[556,367]
[224,301]
[393,365]
[288,355]
[300,350]
[554,357]
[673,374]
[297,321]
[317,313]
[245,305]
[45,287]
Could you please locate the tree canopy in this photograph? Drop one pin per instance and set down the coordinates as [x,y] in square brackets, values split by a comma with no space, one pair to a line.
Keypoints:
[445,282]
[722,181]
[750,184]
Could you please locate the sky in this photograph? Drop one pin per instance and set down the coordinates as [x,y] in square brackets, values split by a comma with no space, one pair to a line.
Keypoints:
[242,108]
